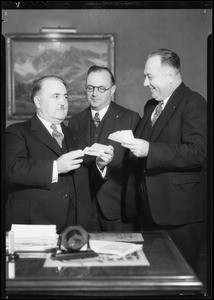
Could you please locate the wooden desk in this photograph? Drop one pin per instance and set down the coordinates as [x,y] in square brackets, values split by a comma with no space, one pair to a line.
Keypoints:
[168,274]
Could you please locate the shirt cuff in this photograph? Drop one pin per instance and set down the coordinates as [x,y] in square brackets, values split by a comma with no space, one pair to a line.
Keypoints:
[55,173]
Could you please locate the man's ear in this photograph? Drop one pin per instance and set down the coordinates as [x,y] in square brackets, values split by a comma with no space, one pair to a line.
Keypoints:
[171,75]
[37,101]
[113,89]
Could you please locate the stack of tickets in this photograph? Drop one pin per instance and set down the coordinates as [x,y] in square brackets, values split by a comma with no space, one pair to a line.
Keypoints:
[122,136]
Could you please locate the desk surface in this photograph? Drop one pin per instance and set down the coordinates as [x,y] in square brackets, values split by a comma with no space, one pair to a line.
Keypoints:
[168,274]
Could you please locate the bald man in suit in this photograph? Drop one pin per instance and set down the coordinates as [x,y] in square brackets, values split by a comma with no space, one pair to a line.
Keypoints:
[45,168]
[170,151]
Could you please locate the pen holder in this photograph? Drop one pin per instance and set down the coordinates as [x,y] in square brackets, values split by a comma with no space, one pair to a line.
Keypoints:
[11,255]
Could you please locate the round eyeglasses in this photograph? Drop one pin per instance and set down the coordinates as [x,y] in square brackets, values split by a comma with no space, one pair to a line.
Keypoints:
[101,89]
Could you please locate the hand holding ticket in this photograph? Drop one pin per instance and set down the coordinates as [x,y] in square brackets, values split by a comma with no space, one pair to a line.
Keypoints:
[122,136]
[138,147]
[96,149]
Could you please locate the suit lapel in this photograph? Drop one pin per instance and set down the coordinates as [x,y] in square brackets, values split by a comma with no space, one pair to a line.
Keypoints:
[144,120]
[72,141]
[112,117]
[44,136]
[171,105]
[85,125]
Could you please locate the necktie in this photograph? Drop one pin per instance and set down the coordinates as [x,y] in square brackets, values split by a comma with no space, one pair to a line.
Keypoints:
[57,135]
[96,119]
[158,111]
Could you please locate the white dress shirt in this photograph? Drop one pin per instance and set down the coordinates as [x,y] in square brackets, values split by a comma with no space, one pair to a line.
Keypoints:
[101,112]
[50,130]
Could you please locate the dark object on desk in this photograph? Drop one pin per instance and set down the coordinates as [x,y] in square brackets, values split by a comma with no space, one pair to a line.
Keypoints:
[74,255]
[73,238]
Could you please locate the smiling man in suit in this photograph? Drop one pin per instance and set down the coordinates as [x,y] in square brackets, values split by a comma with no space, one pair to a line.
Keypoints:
[111,212]
[171,149]
[48,182]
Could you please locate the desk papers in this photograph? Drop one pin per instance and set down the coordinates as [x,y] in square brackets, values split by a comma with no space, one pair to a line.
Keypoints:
[32,237]
[117,236]
[110,252]
[118,249]
[95,150]
[134,259]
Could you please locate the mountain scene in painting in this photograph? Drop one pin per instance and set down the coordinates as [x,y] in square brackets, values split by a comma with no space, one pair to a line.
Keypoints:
[71,65]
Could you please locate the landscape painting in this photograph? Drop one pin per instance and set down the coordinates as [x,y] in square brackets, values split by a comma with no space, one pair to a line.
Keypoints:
[29,57]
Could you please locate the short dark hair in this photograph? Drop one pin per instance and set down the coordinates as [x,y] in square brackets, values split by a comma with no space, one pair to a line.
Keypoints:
[168,57]
[95,68]
[37,84]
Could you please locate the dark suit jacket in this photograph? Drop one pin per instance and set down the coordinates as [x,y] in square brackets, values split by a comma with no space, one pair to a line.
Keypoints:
[110,194]
[32,198]
[173,170]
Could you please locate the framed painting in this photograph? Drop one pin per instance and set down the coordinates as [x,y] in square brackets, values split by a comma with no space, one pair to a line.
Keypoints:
[69,56]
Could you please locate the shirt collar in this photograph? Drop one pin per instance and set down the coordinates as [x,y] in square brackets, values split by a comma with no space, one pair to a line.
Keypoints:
[48,124]
[101,112]
[165,101]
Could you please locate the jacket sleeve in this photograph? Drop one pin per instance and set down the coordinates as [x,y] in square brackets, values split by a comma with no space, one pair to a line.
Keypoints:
[183,143]
[135,121]
[21,168]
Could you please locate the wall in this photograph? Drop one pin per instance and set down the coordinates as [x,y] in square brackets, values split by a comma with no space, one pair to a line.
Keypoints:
[137,32]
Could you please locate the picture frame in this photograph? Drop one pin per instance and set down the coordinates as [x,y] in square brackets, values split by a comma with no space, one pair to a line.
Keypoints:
[69,56]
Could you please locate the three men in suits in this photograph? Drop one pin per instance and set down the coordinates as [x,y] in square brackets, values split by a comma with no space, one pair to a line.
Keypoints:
[110,208]
[171,154]
[46,176]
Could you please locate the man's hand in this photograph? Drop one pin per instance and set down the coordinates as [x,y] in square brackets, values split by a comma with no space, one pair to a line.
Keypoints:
[139,147]
[105,158]
[69,161]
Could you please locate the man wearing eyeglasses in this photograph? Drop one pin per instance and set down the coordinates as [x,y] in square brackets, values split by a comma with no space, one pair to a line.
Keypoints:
[102,117]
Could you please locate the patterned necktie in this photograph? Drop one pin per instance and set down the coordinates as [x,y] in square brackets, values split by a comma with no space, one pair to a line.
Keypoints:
[158,111]
[96,119]
[57,135]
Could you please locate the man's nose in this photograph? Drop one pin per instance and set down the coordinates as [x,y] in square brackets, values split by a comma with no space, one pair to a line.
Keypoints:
[95,91]
[146,81]
[62,99]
